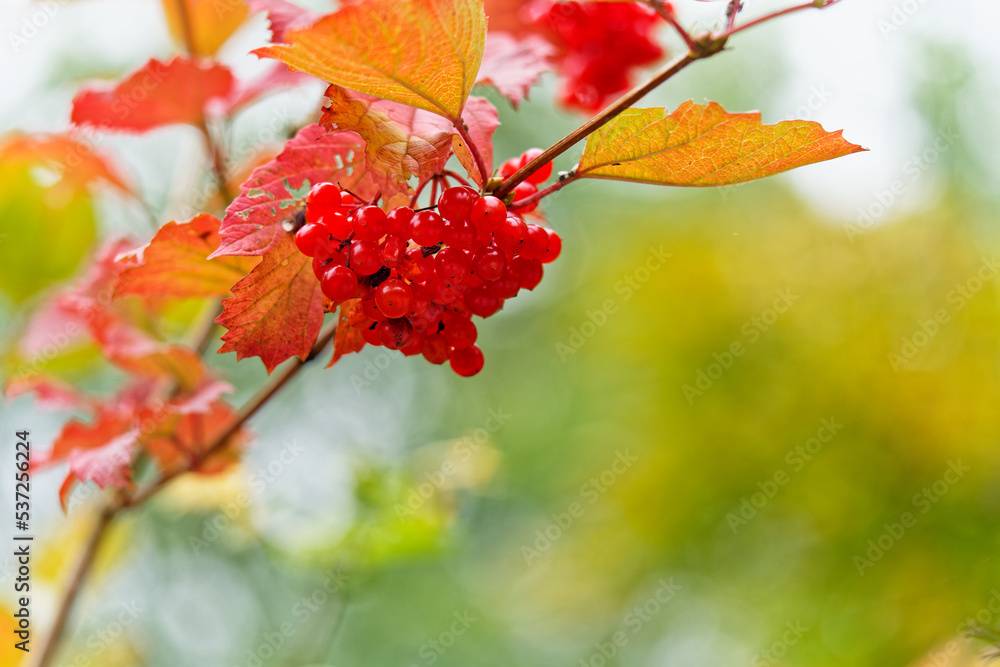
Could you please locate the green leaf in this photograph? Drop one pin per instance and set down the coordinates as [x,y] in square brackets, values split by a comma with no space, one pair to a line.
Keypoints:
[703,145]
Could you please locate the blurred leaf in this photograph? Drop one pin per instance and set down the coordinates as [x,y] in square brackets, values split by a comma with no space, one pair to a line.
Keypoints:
[209,23]
[513,66]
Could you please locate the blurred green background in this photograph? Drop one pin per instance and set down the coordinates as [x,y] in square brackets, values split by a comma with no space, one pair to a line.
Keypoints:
[748,426]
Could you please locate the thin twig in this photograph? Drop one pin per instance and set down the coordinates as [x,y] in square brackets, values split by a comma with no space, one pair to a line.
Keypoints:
[463,132]
[545,192]
[818,4]
[671,18]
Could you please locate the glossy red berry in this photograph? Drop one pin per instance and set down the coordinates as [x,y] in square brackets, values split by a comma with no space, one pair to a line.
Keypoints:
[488,213]
[554,248]
[467,361]
[521,193]
[391,250]
[506,287]
[311,238]
[365,257]
[394,298]
[511,235]
[398,221]
[370,223]
[537,242]
[460,235]
[323,198]
[338,224]
[480,302]
[427,228]
[369,331]
[543,173]
[451,264]
[529,271]
[436,349]
[489,263]
[395,333]
[459,332]
[371,310]
[339,283]
[456,203]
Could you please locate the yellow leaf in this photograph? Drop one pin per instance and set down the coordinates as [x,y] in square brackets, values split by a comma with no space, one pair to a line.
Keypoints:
[703,145]
[211,22]
[423,53]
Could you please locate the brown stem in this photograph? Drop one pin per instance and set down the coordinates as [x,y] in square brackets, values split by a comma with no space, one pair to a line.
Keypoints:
[100,529]
[816,4]
[218,162]
[83,568]
[593,124]
[463,132]
[545,192]
[731,11]
[671,18]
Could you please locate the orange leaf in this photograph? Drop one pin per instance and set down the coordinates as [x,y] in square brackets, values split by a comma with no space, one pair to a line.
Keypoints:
[276,190]
[157,94]
[175,263]
[76,161]
[400,141]
[276,312]
[347,339]
[210,22]
[422,53]
[480,117]
[703,145]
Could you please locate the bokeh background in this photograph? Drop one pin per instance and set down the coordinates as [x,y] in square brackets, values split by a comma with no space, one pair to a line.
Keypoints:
[617,487]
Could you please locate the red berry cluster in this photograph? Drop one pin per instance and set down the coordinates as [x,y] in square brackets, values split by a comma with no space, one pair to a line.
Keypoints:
[602,43]
[421,275]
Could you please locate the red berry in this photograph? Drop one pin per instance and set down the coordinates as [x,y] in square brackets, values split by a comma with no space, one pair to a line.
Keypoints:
[460,235]
[414,346]
[339,283]
[415,267]
[511,235]
[543,173]
[537,243]
[451,264]
[395,333]
[436,349]
[455,203]
[506,287]
[488,213]
[467,361]
[371,310]
[427,228]
[394,298]
[399,221]
[311,238]
[370,333]
[480,302]
[365,258]
[338,224]
[489,263]
[555,247]
[440,291]
[370,223]
[392,250]
[459,332]
[522,192]
[347,199]
[323,198]
[529,271]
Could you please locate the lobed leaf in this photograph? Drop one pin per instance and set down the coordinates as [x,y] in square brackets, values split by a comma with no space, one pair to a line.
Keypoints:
[276,191]
[703,145]
[276,312]
[175,263]
[422,53]
[157,94]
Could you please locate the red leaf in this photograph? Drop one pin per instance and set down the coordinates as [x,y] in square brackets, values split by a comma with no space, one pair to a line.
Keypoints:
[192,434]
[283,16]
[276,312]
[176,264]
[157,94]
[400,141]
[512,66]
[276,190]
[347,339]
[480,117]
